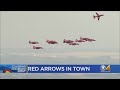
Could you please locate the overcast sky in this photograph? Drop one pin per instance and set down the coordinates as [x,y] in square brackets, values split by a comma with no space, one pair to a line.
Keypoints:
[18,27]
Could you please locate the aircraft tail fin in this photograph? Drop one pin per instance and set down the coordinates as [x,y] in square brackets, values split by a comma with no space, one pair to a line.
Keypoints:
[29,41]
[76,40]
[93,16]
[47,40]
[64,41]
[34,47]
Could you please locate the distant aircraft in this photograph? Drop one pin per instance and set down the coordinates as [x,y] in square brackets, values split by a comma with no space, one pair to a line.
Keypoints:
[33,42]
[67,41]
[51,42]
[37,47]
[81,40]
[98,16]
[87,39]
[73,44]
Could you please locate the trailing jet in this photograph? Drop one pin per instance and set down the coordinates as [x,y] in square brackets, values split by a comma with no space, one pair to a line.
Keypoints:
[51,42]
[98,16]
[67,41]
[37,47]
[87,39]
[81,40]
[33,42]
[73,44]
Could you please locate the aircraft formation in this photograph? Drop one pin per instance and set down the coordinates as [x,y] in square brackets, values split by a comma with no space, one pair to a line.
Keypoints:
[69,42]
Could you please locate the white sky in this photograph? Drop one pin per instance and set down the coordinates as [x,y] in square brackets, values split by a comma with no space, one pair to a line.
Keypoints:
[18,27]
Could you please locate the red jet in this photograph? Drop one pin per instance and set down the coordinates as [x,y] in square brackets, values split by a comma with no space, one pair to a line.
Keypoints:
[98,16]
[87,39]
[80,40]
[37,47]
[73,44]
[33,42]
[51,42]
[67,41]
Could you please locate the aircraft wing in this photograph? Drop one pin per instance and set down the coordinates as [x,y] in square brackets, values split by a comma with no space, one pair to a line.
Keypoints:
[101,15]
[97,14]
